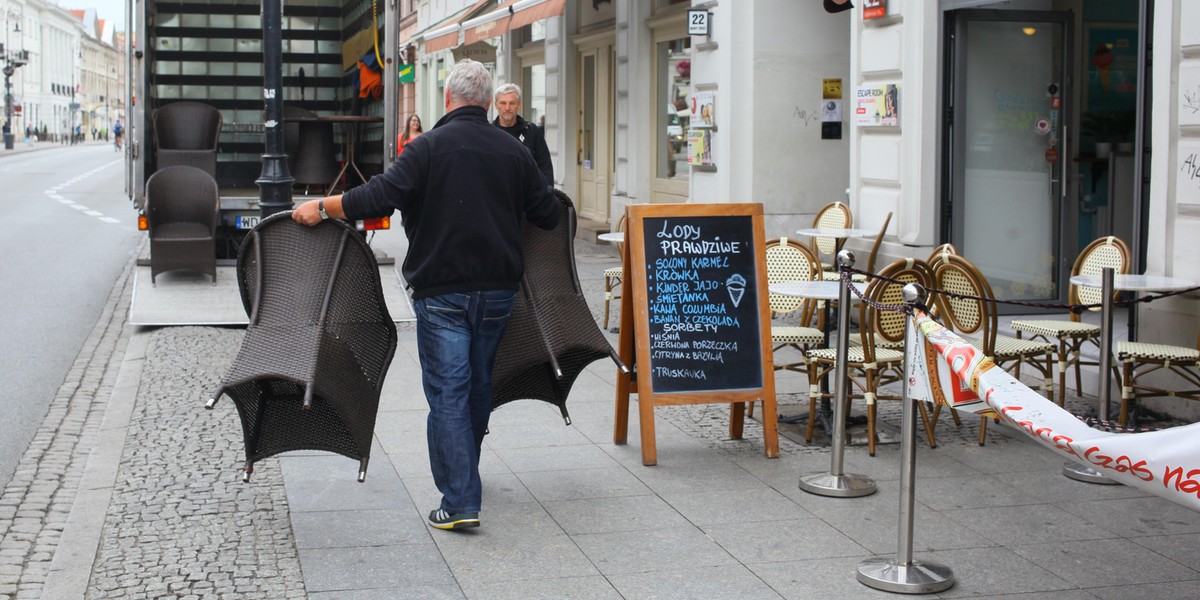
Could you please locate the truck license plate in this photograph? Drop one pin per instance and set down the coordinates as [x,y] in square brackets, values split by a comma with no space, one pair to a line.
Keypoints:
[245,222]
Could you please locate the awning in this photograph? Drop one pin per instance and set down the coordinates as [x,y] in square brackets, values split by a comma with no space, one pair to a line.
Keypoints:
[512,14]
[445,34]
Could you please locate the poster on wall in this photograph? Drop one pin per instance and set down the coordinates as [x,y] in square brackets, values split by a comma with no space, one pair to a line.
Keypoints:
[700,148]
[877,105]
[703,110]
[1111,68]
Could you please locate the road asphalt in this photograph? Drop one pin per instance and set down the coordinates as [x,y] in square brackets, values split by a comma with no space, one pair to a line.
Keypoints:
[132,490]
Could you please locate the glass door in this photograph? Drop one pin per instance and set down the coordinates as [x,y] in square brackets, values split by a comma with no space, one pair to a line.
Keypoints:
[1009,148]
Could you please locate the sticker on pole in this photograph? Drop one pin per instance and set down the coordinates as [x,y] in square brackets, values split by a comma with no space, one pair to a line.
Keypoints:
[1042,126]
[1052,155]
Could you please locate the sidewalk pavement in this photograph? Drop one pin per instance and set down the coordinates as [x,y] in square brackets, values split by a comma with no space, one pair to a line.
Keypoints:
[159,510]
[20,147]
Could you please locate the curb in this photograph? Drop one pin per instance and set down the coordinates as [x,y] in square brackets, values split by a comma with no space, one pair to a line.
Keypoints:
[71,569]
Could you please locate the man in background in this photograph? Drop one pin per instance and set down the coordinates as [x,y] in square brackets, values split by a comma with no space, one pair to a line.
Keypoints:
[508,118]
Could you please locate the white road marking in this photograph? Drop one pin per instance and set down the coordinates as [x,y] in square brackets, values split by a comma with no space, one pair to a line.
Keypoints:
[93,213]
[79,207]
[110,220]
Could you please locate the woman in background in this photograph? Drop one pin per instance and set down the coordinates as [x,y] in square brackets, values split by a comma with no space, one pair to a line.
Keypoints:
[411,132]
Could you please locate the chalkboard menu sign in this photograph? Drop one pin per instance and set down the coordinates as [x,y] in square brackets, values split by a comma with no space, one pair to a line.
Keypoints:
[695,322]
[703,303]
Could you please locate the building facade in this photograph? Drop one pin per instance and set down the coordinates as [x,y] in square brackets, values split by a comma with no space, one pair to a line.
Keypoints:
[1019,130]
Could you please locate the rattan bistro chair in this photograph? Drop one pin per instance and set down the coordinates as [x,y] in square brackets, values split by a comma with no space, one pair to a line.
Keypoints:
[831,216]
[1106,252]
[614,275]
[788,260]
[874,361]
[319,342]
[977,315]
[182,212]
[1139,361]
[551,335]
[186,133]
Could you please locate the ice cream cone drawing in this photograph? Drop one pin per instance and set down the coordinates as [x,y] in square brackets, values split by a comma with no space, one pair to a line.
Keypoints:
[736,284]
[1102,59]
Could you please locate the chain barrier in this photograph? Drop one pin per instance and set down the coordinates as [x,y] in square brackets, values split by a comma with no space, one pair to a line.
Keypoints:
[1074,308]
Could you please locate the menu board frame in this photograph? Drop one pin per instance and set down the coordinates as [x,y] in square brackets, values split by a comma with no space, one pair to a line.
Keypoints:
[635,343]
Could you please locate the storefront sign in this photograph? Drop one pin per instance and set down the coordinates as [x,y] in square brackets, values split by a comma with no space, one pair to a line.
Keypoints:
[877,106]
[480,51]
[408,73]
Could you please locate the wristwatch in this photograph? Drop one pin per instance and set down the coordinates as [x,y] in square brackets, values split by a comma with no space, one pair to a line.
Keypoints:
[321,209]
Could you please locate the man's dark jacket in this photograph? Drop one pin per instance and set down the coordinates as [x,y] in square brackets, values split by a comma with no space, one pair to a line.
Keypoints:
[535,139]
[462,189]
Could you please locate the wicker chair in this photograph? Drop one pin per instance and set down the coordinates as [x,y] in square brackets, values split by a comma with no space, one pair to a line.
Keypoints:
[551,335]
[831,216]
[182,211]
[1140,360]
[1071,335]
[970,316]
[310,148]
[872,364]
[788,260]
[613,275]
[186,133]
[319,341]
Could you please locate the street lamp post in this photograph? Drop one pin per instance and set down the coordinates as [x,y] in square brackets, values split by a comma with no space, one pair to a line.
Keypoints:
[12,61]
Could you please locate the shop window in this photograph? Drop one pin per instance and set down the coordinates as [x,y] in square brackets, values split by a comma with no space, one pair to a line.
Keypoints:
[533,86]
[674,73]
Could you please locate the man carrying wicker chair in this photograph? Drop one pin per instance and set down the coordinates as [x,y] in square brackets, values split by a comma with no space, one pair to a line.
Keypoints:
[462,189]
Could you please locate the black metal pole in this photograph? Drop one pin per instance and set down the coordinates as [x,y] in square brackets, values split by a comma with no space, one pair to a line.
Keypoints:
[8,133]
[275,182]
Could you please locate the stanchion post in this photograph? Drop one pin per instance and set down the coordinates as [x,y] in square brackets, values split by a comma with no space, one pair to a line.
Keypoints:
[902,574]
[836,483]
[1074,470]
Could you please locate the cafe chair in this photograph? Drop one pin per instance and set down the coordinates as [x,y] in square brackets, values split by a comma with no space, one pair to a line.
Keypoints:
[551,335]
[1072,333]
[613,275]
[977,316]
[319,341]
[832,216]
[789,260]
[946,248]
[186,133]
[1141,362]
[310,149]
[875,247]
[183,209]
[876,360]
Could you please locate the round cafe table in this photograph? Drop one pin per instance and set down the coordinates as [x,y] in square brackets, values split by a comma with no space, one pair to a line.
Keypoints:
[1127,283]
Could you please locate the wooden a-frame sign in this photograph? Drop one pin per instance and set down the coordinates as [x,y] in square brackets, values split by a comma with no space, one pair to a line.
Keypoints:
[695,320]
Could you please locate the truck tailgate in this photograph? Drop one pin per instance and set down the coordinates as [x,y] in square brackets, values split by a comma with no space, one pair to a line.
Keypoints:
[187,298]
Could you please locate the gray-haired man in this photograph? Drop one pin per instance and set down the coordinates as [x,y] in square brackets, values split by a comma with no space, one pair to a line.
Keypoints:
[508,118]
[463,189]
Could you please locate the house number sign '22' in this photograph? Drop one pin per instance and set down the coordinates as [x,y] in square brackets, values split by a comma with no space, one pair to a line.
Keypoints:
[698,22]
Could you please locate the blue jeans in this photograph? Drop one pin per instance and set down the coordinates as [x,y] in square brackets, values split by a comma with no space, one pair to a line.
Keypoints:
[457,337]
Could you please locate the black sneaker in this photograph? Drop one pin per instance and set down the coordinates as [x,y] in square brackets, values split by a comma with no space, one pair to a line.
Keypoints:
[443,520]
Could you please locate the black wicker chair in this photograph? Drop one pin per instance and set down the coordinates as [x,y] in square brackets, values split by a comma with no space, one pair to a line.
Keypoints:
[319,342]
[182,211]
[186,133]
[552,335]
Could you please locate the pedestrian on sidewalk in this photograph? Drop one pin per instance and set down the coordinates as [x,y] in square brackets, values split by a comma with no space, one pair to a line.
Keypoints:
[508,118]
[461,189]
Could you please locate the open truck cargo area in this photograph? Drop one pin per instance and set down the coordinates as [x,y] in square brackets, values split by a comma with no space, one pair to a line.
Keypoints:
[209,57]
